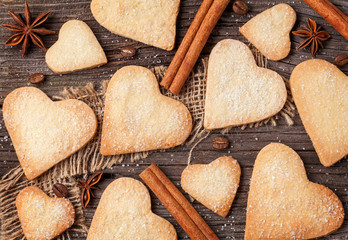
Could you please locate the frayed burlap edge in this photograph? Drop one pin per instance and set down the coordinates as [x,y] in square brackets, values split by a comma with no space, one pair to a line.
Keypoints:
[89,159]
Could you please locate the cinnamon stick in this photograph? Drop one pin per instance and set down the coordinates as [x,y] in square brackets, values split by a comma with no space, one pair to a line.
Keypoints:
[188,218]
[207,26]
[185,44]
[331,14]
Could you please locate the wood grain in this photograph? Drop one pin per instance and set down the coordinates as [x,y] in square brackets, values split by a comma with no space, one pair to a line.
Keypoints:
[245,144]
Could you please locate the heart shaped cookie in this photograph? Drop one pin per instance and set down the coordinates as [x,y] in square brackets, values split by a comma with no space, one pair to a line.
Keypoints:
[269,31]
[150,22]
[284,204]
[238,91]
[76,49]
[43,217]
[214,185]
[124,212]
[320,90]
[138,117]
[44,132]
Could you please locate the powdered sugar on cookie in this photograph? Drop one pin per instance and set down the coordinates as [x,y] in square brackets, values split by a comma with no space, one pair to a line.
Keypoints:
[138,117]
[238,91]
[150,22]
[44,132]
[320,93]
[269,31]
[77,48]
[124,212]
[214,185]
[284,204]
[43,217]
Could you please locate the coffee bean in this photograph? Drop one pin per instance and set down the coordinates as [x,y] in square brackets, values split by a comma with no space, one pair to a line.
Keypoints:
[220,143]
[128,51]
[240,7]
[60,190]
[36,78]
[341,59]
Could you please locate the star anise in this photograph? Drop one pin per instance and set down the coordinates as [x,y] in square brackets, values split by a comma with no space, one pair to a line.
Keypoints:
[27,31]
[312,35]
[86,186]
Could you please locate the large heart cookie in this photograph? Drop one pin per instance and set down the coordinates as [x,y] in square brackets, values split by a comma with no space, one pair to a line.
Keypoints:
[77,48]
[44,132]
[152,22]
[320,92]
[214,185]
[138,117]
[124,212]
[43,217]
[238,91]
[284,204]
[269,31]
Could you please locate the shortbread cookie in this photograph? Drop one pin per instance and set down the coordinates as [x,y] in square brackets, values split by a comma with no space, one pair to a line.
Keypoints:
[76,49]
[320,90]
[151,22]
[138,117]
[238,91]
[124,212]
[214,185]
[269,31]
[44,132]
[284,204]
[43,217]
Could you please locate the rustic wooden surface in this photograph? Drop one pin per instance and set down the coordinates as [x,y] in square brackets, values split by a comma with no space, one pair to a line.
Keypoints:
[245,144]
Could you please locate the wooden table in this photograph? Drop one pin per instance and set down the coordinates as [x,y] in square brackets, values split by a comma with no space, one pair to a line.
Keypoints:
[245,144]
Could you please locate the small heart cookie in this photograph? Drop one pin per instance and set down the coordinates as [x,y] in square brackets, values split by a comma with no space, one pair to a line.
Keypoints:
[284,204]
[76,49]
[214,185]
[124,212]
[269,31]
[44,132]
[43,217]
[320,90]
[138,117]
[150,22]
[238,91]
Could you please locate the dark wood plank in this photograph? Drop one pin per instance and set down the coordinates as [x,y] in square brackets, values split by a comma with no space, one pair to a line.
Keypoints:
[245,144]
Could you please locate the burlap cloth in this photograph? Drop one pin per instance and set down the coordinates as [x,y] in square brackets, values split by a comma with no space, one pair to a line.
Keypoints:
[89,159]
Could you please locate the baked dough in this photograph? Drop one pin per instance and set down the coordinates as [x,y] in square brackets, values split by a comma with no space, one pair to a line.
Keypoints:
[214,185]
[44,132]
[320,90]
[284,204]
[124,212]
[152,22]
[43,217]
[269,31]
[238,91]
[138,117]
[76,49]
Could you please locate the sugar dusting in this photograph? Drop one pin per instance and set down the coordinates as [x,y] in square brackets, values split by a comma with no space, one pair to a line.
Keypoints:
[77,48]
[269,31]
[151,22]
[138,118]
[320,93]
[42,217]
[283,204]
[45,132]
[124,212]
[238,91]
[214,185]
